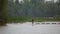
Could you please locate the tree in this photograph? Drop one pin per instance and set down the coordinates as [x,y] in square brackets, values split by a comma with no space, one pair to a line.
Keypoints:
[35,8]
[3,12]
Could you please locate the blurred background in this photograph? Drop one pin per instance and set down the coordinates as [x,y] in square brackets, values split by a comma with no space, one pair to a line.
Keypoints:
[30,16]
[40,10]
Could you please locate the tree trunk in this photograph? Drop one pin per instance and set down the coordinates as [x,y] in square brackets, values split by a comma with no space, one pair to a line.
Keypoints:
[3,12]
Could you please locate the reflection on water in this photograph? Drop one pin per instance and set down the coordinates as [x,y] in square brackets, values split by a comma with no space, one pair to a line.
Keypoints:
[27,28]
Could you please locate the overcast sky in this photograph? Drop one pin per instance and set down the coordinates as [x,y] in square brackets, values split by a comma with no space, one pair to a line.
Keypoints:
[50,0]
[45,0]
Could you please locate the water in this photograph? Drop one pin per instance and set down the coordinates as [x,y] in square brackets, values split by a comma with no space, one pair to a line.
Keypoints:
[27,28]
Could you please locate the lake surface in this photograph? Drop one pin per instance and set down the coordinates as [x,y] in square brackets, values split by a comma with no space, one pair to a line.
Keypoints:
[27,28]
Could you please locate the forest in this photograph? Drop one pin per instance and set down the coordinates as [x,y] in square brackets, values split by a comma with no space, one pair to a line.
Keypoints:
[39,9]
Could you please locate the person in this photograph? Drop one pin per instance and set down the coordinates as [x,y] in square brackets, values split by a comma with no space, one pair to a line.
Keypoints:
[32,20]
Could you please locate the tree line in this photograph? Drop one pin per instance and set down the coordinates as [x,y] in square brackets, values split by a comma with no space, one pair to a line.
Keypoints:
[33,8]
